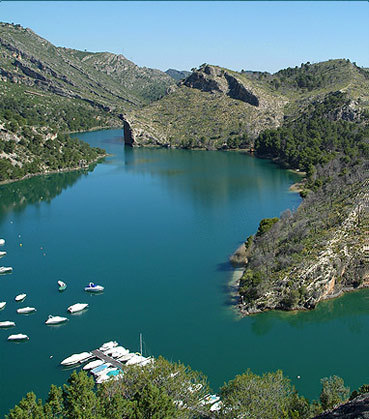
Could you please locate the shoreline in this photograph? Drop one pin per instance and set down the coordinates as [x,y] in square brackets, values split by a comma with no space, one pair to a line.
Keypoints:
[245,313]
[51,172]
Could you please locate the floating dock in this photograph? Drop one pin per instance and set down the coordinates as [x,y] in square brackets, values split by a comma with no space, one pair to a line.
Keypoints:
[98,354]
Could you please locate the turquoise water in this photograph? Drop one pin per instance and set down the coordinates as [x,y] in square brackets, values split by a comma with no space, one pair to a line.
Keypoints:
[156,228]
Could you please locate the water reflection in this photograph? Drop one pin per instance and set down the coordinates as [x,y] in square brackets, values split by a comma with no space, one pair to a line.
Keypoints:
[209,178]
[16,196]
[350,308]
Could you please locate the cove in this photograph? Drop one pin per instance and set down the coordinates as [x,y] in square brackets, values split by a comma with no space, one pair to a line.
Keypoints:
[156,228]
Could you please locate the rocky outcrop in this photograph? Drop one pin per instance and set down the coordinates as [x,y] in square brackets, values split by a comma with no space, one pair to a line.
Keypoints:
[341,264]
[357,408]
[213,79]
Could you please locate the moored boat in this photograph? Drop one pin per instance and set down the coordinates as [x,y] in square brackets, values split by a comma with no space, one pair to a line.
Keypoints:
[55,320]
[6,269]
[99,369]
[75,308]
[126,357]
[91,287]
[93,364]
[7,323]
[76,358]
[108,345]
[26,310]
[18,337]
[20,298]
[2,305]
[62,285]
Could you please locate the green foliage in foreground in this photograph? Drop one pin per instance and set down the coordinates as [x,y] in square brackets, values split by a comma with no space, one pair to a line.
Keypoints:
[166,390]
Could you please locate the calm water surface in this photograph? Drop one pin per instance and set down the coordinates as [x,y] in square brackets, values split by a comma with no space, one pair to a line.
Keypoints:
[156,228]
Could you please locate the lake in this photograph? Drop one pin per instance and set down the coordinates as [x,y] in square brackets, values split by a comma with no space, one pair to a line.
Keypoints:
[156,227]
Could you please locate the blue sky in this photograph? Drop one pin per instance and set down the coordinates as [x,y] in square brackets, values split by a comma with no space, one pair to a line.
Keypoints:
[264,36]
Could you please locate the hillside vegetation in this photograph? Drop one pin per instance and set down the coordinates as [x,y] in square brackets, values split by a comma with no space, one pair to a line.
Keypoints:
[217,108]
[47,92]
[171,390]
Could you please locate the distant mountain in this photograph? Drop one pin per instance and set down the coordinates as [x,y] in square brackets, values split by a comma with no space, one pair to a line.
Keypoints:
[47,90]
[217,108]
[178,75]
[103,79]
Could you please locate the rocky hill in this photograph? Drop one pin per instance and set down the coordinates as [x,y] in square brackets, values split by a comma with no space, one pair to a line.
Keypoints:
[216,108]
[318,252]
[46,91]
[103,79]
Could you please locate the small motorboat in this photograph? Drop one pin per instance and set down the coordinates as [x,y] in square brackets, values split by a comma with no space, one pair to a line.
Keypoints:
[108,345]
[62,285]
[26,310]
[93,364]
[7,323]
[6,269]
[2,242]
[94,288]
[55,320]
[2,254]
[137,359]
[18,337]
[76,358]
[100,368]
[117,352]
[75,308]
[126,357]
[20,298]
[2,305]
[108,373]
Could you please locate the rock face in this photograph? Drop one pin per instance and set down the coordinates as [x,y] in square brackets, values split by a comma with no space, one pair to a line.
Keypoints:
[354,409]
[213,108]
[213,79]
[311,260]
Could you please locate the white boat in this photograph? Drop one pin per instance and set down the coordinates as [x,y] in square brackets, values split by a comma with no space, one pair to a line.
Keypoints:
[7,323]
[2,254]
[2,242]
[117,351]
[210,399]
[137,359]
[216,406]
[62,285]
[97,370]
[93,364]
[20,297]
[55,320]
[19,336]
[126,357]
[6,269]
[75,308]
[76,358]
[26,310]
[2,305]
[91,287]
[108,345]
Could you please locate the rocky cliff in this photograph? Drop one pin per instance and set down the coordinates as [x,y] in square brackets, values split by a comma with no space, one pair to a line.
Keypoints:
[213,108]
[316,253]
[217,108]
